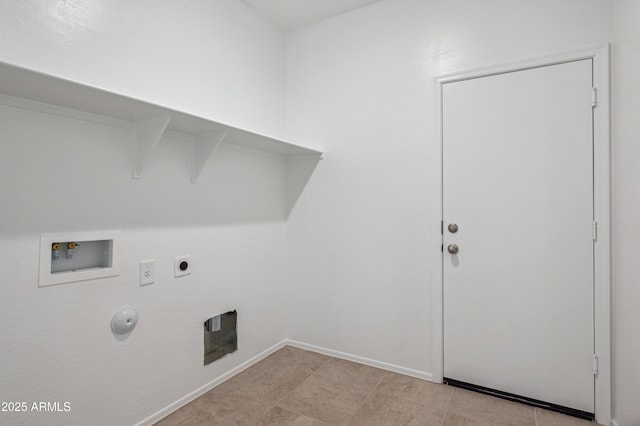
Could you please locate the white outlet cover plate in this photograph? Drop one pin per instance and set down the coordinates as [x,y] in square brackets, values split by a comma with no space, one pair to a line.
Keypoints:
[178,272]
[147,272]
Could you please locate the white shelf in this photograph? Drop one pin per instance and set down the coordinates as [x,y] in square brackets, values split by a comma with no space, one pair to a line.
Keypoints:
[147,121]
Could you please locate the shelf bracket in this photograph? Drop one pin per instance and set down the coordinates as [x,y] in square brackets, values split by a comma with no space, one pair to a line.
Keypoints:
[203,148]
[146,135]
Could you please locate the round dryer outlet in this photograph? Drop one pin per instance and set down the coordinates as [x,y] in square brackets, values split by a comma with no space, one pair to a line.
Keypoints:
[182,265]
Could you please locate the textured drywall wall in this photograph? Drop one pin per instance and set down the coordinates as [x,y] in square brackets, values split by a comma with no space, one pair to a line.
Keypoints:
[626,152]
[216,59]
[364,235]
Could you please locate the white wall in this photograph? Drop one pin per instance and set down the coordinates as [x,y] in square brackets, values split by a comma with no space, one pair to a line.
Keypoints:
[364,236]
[626,108]
[214,58]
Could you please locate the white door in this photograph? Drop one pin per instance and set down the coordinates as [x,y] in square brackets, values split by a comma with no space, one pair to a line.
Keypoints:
[518,183]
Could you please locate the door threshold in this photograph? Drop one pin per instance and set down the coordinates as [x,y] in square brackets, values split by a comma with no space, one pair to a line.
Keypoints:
[521,399]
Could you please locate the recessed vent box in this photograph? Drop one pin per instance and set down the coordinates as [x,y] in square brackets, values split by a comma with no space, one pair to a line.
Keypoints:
[78,256]
[220,336]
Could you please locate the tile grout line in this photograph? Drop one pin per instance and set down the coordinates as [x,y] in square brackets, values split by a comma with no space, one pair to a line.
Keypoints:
[275,404]
[446,405]
[368,396]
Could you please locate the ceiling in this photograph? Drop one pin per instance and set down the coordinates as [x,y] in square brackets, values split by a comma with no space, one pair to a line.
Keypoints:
[292,14]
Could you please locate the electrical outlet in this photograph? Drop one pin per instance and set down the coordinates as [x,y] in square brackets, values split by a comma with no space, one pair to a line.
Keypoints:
[183,265]
[147,272]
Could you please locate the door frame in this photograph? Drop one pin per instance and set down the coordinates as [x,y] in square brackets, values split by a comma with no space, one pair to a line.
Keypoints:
[602,213]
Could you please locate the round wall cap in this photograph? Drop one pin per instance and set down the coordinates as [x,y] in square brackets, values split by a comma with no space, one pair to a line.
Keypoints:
[124,320]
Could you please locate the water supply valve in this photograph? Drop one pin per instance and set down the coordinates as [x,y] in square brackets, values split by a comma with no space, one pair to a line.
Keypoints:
[70,248]
[55,251]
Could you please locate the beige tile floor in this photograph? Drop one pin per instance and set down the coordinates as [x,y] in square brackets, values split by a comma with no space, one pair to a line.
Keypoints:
[301,388]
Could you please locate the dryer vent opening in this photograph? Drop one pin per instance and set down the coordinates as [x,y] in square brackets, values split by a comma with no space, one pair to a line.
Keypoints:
[220,336]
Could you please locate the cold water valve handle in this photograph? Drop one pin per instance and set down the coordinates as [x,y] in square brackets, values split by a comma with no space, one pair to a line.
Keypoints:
[71,246]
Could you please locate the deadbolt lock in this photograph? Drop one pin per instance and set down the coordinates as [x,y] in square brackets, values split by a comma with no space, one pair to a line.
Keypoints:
[453,228]
[453,248]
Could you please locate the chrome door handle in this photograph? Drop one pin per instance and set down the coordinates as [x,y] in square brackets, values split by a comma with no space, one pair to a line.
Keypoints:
[453,248]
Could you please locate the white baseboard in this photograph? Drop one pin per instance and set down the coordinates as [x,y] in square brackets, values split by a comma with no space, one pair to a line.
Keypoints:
[324,351]
[361,360]
[614,423]
[212,384]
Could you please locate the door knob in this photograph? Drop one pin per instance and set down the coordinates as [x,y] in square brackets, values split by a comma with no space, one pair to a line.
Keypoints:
[452,248]
[453,228]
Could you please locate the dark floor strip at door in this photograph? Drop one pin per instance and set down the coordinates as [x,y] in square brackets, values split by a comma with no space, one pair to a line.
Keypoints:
[522,399]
